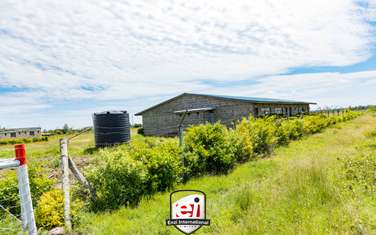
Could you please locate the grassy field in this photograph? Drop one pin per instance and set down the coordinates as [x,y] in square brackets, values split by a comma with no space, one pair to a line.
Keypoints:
[47,154]
[300,189]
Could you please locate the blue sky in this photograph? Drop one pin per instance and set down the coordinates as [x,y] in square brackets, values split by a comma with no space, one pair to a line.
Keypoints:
[60,61]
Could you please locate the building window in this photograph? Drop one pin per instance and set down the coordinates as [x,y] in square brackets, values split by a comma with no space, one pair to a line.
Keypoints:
[32,133]
[278,110]
[13,134]
[264,111]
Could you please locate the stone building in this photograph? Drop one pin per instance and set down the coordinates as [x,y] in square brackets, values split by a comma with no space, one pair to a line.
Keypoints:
[20,132]
[188,109]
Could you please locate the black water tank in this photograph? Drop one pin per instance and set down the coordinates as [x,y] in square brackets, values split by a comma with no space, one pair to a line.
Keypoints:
[111,127]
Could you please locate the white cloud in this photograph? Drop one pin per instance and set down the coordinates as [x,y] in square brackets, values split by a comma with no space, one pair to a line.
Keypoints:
[327,89]
[118,50]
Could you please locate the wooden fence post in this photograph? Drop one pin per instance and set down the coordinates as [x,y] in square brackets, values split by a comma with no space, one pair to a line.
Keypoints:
[81,178]
[65,182]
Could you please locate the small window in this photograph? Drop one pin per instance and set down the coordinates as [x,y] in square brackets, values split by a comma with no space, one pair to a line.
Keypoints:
[278,110]
[265,110]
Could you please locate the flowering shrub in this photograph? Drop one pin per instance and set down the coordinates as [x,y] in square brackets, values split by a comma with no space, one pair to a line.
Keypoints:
[50,209]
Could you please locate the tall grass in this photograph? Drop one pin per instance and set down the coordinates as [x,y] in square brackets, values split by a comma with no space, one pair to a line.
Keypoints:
[302,189]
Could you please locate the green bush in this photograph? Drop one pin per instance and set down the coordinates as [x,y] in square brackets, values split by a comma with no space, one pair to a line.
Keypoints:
[9,195]
[314,123]
[140,131]
[131,171]
[241,144]
[50,209]
[242,132]
[260,132]
[292,129]
[118,180]
[208,149]
[163,164]
[49,212]
[23,140]
[149,164]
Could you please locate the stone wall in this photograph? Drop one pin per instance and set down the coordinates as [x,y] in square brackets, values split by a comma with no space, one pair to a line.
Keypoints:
[162,121]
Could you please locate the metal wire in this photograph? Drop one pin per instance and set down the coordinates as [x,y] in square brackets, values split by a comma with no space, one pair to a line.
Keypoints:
[83,131]
[6,210]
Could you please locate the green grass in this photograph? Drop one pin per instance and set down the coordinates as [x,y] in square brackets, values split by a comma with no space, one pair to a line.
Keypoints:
[47,154]
[300,189]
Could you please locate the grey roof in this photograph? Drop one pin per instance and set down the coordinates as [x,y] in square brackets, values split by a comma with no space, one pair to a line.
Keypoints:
[242,98]
[261,100]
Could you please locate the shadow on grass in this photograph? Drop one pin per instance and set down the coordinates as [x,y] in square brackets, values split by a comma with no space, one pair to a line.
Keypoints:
[91,150]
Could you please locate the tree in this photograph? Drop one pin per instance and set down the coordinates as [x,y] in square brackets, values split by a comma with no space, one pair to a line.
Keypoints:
[65,128]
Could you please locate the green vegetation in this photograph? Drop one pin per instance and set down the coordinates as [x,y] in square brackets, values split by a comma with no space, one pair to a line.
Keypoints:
[302,189]
[49,212]
[134,174]
[208,150]
[124,174]
[23,140]
[9,196]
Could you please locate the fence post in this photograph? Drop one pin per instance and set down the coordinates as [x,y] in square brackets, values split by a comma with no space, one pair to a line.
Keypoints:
[65,181]
[81,178]
[181,135]
[27,212]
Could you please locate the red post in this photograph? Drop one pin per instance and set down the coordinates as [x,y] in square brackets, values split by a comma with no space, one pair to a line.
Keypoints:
[20,153]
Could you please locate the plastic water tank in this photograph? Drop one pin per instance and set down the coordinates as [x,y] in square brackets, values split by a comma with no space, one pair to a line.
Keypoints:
[111,127]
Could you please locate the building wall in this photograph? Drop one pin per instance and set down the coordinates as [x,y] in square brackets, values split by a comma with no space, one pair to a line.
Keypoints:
[20,133]
[162,121]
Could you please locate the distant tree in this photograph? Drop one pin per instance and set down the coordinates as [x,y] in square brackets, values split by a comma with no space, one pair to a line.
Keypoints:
[137,125]
[65,128]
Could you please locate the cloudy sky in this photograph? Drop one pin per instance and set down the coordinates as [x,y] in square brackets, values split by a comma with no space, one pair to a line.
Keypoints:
[60,61]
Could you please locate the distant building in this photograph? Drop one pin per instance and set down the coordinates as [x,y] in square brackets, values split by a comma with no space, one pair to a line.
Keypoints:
[163,119]
[20,132]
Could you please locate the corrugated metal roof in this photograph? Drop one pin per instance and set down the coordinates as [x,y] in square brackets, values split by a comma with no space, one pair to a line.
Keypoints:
[258,99]
[242,98]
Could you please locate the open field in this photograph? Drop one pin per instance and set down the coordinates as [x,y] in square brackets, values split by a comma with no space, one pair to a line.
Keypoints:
[81,146]
[300,189]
